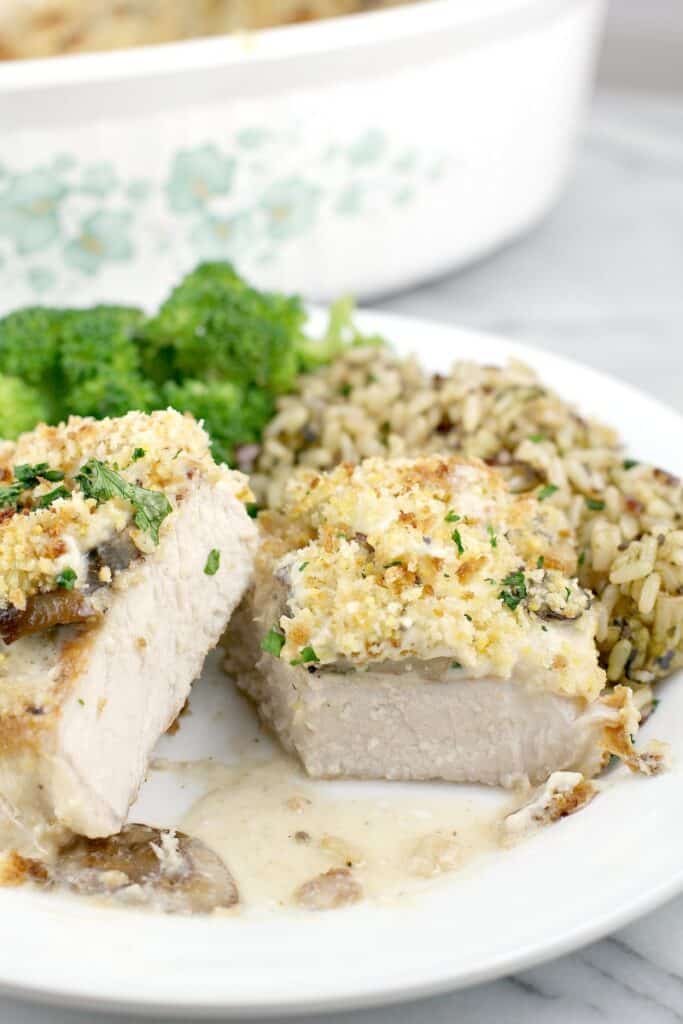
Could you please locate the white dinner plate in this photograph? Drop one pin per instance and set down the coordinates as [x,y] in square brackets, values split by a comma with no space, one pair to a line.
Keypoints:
[570,884]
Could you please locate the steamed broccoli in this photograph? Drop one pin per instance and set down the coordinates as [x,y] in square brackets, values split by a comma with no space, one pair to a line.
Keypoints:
[217,348]
[100,362]
[21,407]
[214,321]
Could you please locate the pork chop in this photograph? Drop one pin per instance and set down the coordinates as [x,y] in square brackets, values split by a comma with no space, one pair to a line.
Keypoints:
[111,595]
[416,620]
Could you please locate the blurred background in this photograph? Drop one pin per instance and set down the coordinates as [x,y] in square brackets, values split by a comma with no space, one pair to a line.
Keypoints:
[643,46]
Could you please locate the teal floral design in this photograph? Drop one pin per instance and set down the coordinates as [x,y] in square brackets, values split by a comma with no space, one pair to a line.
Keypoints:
[249,199]
[40,279]
[216,238]
[290,207]
[198,175]
[104,237]
[99,179]
[368,148]
[29,209]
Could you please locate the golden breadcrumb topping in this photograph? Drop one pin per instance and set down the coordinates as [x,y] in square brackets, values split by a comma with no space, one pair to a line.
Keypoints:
[429,558]
[164,452]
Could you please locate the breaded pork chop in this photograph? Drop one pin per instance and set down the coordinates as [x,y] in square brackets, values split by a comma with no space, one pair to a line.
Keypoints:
[123,550]
[413,619]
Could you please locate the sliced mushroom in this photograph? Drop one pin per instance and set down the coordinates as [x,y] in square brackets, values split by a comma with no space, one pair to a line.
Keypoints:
[43,611]
[333,889]
[167,871]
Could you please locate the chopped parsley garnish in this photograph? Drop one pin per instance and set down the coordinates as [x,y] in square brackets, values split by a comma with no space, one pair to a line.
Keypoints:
[582,557]
[10,494]
[630,463]
[29,475]
[345,390]
[540,562]
[489,579]
[273,642]
[390,565]
[453,517]
[81,702]
[537,438]
[138,453]
[468,617]
[456,664]
[99,481]
[546,492]
[252,509]
[46,500]
[306,655]
[492,536]
[66,578]
[655,703]
[515,592]
[458,541]
[212,562]
[567,593]
[544,628]
[595,505]
[303,566]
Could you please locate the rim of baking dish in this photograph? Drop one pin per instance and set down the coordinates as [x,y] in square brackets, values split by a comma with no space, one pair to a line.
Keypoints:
[275,45]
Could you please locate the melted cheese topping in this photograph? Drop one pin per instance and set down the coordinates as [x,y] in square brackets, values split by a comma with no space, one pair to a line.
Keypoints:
[430,558]
[36,544]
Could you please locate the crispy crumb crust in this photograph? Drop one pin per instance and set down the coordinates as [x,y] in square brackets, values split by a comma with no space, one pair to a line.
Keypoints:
[395,559]
[36,543]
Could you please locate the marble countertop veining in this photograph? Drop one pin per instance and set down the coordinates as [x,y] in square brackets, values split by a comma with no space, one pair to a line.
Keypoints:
[601,280]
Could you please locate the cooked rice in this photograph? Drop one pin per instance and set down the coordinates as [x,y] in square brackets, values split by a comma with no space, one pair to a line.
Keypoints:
[627,517]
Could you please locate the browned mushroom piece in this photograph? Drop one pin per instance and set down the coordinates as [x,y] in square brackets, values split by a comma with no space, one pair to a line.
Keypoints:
[167,871]
[43,611]
[333,889]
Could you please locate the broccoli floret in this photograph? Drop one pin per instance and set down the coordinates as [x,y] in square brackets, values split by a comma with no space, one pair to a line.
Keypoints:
[214,321]
[232,416]
[21,407]
[341,334]
[29,349]
[100,362]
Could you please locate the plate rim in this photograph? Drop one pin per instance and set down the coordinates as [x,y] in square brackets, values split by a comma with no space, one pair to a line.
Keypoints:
[385,991]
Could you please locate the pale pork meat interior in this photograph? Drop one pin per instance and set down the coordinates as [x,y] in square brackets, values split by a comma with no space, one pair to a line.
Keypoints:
[123,550]
[413,619]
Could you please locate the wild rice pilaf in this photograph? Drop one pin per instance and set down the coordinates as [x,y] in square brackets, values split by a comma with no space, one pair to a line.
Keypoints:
[627,516]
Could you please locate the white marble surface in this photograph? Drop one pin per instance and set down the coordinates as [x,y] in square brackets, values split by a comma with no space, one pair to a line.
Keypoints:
[601,280]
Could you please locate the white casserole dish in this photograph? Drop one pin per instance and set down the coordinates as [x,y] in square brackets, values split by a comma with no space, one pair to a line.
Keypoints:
[358,154]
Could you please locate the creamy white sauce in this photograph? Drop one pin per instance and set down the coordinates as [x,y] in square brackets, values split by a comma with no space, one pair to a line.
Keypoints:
[275,829]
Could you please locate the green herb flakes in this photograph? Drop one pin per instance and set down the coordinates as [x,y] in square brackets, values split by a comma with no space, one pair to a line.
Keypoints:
[390,565]
[452,517]
[66,578]
[306,656]
[29,475]
[212,562]
[537,438]
[514,590]
[10,494]
[99,481]
[138,453]
[45,500]
[303,566]
[456,664]
[252,509]
[630,463]
[493,540]
[547,491]
[540,562]
[455,536]
[273,642]
[595,505]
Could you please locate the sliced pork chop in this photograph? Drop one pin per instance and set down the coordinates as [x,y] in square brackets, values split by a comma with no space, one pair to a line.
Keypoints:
[112,595]
[415,620]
